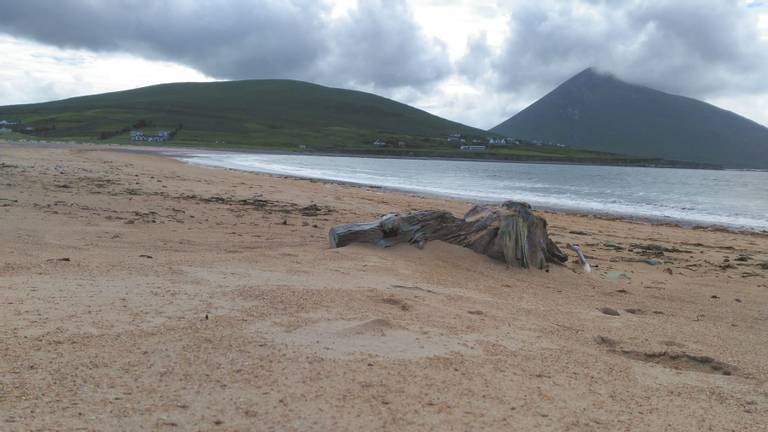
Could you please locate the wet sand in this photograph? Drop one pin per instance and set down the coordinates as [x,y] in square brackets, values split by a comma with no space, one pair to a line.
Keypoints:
[141,293]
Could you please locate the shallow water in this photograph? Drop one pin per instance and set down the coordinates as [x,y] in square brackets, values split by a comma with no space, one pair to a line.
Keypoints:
[737,199]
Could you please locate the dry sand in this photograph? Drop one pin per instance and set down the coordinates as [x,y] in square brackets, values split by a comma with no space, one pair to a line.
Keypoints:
[140,293]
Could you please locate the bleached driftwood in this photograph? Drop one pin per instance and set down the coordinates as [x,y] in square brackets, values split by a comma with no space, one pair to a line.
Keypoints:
[510,232]
[582,259]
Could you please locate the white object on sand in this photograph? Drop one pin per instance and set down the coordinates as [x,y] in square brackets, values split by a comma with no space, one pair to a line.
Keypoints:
[582,260]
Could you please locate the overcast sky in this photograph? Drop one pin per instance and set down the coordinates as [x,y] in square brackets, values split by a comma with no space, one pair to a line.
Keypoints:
[474,61]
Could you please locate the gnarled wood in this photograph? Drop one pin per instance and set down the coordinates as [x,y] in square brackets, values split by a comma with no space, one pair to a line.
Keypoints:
[510,232]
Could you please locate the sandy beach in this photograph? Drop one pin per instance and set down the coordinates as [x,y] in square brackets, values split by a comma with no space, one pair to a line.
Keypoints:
[142,293]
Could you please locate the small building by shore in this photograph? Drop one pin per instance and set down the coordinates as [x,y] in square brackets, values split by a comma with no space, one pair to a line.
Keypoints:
[473,148]
[137,135]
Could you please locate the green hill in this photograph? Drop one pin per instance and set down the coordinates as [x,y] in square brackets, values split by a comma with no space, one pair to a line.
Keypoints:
[257,113]
[598,112]
[274,115]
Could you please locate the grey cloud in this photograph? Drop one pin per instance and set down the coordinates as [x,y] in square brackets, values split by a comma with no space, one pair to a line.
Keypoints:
[225,39]
[236,39]
[698,48]
[380,44]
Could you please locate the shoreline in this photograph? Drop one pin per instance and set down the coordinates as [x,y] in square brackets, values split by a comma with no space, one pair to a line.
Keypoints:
[606,215]
[660,221]
[177,152]
[671,165]
[683,165]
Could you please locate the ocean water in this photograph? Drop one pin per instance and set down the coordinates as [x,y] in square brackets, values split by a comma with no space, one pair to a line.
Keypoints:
[735,199]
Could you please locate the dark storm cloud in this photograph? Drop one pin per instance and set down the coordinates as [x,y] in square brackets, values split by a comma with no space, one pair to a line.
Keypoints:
[699,48]
[378,45]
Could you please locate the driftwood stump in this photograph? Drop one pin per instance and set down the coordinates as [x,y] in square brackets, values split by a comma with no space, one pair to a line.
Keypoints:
[510,232]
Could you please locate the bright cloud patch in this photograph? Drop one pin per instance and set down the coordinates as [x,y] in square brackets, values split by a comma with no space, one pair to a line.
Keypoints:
[33,72]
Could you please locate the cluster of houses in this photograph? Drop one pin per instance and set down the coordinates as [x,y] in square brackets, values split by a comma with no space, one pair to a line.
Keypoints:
[8,126]
[137,135]
[4,126]
[456,138]
[474,144]
[482,144]
[478,144]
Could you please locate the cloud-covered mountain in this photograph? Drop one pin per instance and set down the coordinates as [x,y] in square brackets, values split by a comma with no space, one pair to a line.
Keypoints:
[597,111]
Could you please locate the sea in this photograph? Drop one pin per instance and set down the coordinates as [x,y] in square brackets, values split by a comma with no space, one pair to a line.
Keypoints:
[727,198]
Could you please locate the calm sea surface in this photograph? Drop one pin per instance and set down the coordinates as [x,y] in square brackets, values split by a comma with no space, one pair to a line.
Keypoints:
[729,198]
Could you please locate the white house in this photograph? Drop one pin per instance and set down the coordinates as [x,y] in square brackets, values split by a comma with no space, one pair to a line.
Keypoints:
[137,135]
[4,130]
[473,148]
[379,143]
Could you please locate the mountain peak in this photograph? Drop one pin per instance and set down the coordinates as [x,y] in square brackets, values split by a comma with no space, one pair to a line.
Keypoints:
[594,110]
[593,75]
[588,71]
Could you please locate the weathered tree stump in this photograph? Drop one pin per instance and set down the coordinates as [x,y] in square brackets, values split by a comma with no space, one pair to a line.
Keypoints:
[510,232]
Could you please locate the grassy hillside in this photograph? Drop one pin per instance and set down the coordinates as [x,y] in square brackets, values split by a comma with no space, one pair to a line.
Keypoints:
[273,115]
[598,112]
[257,113]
